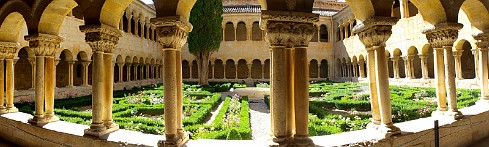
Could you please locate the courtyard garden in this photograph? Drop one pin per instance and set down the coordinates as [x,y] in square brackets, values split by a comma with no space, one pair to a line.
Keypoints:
[334,108]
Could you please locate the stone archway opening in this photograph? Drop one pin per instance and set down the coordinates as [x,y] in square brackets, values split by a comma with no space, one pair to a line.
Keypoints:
[62,69]
[23,71]
[230,69]
[467,61]
[256,69]
[218,69]
[323,70]
[313,69]
[185,69]
[242,69]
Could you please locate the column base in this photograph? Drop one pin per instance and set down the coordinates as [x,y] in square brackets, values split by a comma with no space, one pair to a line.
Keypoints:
[12,110]
[388,130]
[38,121]
[302,141]
[50,119]
[175,142]
[373,125]
[455,114]
[3,110]
[277,141]
[101,131]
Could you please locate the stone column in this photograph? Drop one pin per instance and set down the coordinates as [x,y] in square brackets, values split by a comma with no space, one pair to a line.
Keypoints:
[458,63]
[103,40]
[249,71]
[135,66]
[475,52]
[263,70]
[374,34]
[32,61]
[190,70]
[148,71]
[121,70]
[70,73]
[355,71]
[411,66]
[442,38]
[85,72]
[362,68]
[213,67]
[44,46]
[407,67]
[8,51]
[290,76]
[128,70]
[483,44]
[424,66]
[3,109]
[129,17]
[395,66]
[172,34]
[319,70]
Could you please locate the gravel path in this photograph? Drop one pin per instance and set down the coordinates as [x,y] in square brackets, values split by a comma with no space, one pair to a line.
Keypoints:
[260,120]
[214,113]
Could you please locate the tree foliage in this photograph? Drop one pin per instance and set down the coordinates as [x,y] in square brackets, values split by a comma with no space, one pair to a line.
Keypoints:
[206,17]
[206,36]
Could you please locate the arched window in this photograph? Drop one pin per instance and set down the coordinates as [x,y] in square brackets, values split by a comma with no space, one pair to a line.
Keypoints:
[257,33]
[229,32]
[323,32]
[241,33]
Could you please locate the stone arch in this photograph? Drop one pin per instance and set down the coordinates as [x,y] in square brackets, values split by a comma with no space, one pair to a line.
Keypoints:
[241,33]
[11,27]
[467,59]
[361,60]
[23,70]
[62,69]
[315,36]
[266,70]
[218,69]
[195,70]
[400,63]
[78,70]
[436,11]
[428,51]
[185,69]
[242,69]
[257,33]
[256,69]
[323,33]
[413,52]
[230,69]
[54,14]
[174,8]
[323,70]
[313,69]
[229,34]
[477,13]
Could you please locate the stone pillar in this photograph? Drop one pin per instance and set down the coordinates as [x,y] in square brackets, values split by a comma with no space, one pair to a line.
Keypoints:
[44,46]
[70,73]
[263,70]
[411,66]
[482,45]
[129,17]
[424,66]
[148,71]
[8,52]
[457,54]
[85,72]
[103,40]
[442,38]
[289,91]
[3,109]
[374,98]
[213,67]
[373,34]
[135,66]
[355,69]
[404,6]
[362,68]
[172,34]
[475,52]
[190,71]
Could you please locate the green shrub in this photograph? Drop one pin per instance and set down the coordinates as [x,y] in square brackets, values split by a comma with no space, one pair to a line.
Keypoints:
[233,134]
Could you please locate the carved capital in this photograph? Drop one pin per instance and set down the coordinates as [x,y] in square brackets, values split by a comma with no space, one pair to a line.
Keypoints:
[8,49]
[444,34]
[482,40]
[375,31]
[172,31]
[44,44]
[86,63]
[101,37]
[289,29]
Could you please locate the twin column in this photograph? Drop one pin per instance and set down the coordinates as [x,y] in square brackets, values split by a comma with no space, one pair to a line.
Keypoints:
[45,47]
[8,50]
[102,39]
[289,102]
[172,34]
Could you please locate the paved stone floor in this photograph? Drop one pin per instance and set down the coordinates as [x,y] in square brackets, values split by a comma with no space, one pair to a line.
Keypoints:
[5,143]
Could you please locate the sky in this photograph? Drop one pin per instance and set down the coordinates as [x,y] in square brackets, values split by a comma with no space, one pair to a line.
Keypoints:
[147,1]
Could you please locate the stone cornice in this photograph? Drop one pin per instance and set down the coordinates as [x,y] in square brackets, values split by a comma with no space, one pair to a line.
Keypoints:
[482,40]
[443,34]
[44,44]
[101,37]
[301,17]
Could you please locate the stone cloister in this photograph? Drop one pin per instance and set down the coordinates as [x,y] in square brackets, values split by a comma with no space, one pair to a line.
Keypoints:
[51,48]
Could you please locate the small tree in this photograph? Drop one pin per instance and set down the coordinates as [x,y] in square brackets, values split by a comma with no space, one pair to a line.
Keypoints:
[206,36]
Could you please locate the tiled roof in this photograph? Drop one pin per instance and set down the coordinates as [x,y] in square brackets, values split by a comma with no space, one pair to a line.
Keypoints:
[257,9]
